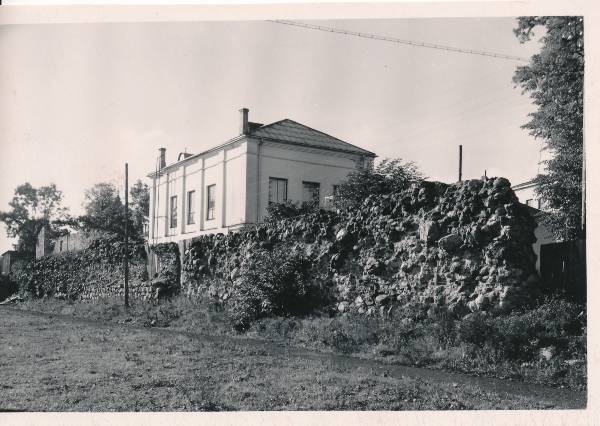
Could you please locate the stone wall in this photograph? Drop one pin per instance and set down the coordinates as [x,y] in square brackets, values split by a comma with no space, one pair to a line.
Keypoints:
[466,247]
[92,273]
[95,272]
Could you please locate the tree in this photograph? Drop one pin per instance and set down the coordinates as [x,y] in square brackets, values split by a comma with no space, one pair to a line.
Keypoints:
[31,210]
[140,206]
[104,210]
[554,81]
[387,177]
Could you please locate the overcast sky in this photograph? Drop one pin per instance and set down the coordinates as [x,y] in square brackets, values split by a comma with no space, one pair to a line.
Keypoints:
[77,101]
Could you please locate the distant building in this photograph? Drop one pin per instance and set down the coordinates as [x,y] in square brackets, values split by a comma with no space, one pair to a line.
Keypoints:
[11,258]
[560,264]
[231,185]
[526,193]
[70,242]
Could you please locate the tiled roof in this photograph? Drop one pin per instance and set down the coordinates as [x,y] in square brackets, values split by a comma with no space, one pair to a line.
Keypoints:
[289,131]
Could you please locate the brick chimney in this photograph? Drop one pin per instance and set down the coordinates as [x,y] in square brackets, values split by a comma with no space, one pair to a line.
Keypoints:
[163,158]
[244,127]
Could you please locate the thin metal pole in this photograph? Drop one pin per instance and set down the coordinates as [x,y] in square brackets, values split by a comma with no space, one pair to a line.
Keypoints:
[126,261]
[460,163]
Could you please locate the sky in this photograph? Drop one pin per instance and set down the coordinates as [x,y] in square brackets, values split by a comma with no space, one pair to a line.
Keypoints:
[78,101]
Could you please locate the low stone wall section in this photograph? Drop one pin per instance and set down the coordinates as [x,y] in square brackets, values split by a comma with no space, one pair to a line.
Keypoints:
[98,272]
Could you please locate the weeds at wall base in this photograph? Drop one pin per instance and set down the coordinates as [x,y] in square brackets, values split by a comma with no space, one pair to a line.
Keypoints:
[423,343]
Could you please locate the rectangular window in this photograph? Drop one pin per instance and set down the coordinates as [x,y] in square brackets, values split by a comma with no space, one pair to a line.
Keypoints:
[529,203]
[310,192]
[174,211]
[210,202]
[335,190]
[191,207]
[277,190]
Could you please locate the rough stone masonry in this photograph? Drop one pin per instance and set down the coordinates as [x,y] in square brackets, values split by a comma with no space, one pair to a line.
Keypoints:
[465,246]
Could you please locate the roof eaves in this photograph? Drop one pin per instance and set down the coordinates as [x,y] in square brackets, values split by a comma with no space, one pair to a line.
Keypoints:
[191,157]
[327,148]
[527,184]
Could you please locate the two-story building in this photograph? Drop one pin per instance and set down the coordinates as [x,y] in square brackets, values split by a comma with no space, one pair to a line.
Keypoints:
[231,185]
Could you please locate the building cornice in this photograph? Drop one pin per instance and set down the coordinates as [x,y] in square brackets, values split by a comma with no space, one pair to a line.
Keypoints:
[177,164]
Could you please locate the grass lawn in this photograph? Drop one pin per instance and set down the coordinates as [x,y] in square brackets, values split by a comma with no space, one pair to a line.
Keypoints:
[53,363]
[383,341]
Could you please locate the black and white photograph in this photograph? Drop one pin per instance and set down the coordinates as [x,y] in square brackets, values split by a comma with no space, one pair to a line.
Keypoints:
[282,213]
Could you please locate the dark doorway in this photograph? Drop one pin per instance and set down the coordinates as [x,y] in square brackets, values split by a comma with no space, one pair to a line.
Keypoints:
[562,268]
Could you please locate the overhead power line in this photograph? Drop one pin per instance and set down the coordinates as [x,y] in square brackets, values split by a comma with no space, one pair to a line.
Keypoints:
[400,41]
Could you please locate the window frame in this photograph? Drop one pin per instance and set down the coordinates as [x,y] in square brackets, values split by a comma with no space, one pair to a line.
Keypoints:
[285,197]
[210,209]
[173,212]
[335,189]
[316,201]
[191,207]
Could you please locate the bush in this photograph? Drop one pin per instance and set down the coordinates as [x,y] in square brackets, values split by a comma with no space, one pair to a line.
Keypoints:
[521,334]
[388,177]
[289,209]
[273,283]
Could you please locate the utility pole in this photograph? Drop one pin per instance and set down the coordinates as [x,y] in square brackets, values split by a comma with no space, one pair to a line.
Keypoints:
[126,260]
[459,163]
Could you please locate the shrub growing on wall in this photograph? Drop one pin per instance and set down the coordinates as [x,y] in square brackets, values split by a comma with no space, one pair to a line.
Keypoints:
[387,177]
[273,283]
[465,247]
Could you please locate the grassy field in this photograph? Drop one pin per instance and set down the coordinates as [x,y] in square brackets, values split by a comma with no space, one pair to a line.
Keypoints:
[57,363]
[427,344]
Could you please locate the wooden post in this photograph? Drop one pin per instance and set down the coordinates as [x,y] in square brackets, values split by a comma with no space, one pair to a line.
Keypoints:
[126,260]
[459,163]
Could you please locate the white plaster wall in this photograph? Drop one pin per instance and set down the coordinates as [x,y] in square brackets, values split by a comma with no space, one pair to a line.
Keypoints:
[526,194]
[193,182]
[235,185]
[296,164]
[212,176]
[158,213]
[225,168]
[174,182]
[252,172]
[544,236]
[240,193]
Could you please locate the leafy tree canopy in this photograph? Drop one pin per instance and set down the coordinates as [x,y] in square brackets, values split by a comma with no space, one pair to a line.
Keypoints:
[30,210]
[140,205]
[554,81]
[104,210]
[387,177]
